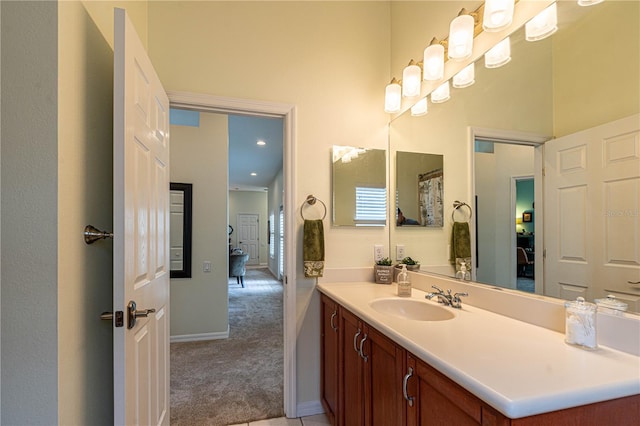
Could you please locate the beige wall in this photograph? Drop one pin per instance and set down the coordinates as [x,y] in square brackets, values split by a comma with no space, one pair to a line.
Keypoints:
[590,86]
[252,202]
[199,156]
[57,78]
[85,145]
[330,60]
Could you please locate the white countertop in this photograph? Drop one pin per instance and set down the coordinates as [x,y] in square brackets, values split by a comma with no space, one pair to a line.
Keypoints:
[517,368]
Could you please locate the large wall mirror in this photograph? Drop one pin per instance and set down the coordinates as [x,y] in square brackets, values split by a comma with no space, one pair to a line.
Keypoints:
[181,203]
[359,186]
[584,76]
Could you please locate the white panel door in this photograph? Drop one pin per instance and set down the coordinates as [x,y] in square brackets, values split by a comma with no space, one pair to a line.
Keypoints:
[592,228]
[249,236]
[141,233]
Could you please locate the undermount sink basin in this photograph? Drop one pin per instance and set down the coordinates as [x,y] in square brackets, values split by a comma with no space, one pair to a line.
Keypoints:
[412,309]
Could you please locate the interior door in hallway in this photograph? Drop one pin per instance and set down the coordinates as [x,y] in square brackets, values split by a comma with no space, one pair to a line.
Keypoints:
[141,234]
[249,236]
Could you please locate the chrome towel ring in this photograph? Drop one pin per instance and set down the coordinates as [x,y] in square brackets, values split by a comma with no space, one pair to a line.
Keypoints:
[311,200]
[457,205]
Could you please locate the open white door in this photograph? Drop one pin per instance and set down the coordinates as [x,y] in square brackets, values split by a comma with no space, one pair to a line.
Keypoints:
[592,199]
[141,234]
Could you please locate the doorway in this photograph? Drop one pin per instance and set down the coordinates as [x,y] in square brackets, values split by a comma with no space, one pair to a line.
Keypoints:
[502,162]
[207,103]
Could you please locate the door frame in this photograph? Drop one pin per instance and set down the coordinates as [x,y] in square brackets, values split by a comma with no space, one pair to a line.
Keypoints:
[220,104]
[515,138]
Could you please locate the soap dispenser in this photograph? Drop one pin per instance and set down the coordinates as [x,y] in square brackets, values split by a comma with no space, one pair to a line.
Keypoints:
[404,285]
[463,274]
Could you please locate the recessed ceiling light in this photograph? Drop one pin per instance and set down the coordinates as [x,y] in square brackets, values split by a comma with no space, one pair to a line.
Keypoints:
[261,142]
[254,174]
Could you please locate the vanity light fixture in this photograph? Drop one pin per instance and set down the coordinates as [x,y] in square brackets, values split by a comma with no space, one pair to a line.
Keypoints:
[393,97]
[261,143]
[441,94]
[460,43]
[543,24]
[420,108]
[433,62]
[411,80]
[498,14]
[466,77]
[498,55]
[588,2]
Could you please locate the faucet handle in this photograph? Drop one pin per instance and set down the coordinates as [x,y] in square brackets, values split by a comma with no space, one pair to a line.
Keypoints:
[455,300]
[437,288]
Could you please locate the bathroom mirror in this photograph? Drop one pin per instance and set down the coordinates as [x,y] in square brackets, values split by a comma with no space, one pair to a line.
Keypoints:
[359,189]
[419,190]
[551,88]
[180,208]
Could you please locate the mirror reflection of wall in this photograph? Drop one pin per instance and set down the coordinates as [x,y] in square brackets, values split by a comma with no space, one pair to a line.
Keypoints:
[359,193]
[419,189]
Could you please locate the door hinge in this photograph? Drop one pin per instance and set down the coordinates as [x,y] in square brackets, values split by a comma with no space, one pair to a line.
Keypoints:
[544,253]
[544,171]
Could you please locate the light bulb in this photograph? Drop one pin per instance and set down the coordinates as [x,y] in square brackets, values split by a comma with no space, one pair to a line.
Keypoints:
[461,37]
[498,55]
[543,24]
[441,94]
[420,108]
[392,97]
[411,80]
[466,77]
[498,14]
[433,62]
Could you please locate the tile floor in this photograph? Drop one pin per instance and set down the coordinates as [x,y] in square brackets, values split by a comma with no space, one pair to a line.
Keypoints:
[317,420]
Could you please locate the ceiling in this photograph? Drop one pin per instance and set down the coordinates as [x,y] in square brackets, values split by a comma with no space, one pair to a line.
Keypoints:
[252,167]
[246,156]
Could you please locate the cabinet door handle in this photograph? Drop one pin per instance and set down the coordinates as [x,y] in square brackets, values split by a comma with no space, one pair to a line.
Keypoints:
[404,387]
[362,355]
[355,341]
[333,315]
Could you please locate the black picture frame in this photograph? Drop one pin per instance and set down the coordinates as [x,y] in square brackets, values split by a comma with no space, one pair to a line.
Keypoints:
[527,217]
[187,223]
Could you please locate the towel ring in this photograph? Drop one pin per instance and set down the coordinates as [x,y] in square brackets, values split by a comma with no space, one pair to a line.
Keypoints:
[456,205]
[311,200]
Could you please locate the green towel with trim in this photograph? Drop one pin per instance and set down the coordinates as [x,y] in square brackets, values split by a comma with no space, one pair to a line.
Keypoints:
[313,248]
[460,241]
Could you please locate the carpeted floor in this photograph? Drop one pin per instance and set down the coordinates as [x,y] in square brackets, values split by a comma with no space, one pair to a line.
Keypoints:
[239,379]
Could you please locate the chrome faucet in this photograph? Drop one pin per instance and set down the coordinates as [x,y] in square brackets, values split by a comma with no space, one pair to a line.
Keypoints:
[447,298]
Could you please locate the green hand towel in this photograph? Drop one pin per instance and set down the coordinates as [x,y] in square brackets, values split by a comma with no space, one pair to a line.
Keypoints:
[460,241]
[313,248]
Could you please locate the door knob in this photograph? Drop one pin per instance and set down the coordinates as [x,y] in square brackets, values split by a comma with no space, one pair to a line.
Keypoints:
[133,313]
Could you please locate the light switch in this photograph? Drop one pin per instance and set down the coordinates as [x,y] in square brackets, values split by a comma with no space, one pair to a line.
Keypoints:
[206,266]
[399,251]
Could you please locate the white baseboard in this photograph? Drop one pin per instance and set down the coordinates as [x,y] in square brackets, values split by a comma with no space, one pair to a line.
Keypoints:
[309,408]
[199,337]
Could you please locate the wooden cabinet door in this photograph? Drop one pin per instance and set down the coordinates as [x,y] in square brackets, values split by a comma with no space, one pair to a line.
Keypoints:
[443,402]
[330,333]
[384,367]
[351,404]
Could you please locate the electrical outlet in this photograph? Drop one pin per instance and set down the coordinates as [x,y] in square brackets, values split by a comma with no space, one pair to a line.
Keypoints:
[206,266]
[378,252]
[399,251]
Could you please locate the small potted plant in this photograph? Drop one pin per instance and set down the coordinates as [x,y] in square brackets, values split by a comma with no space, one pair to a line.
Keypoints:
[383,271]
[412,265]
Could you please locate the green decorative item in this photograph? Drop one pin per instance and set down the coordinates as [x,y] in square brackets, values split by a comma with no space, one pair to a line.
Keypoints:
[385,261]
[409,262]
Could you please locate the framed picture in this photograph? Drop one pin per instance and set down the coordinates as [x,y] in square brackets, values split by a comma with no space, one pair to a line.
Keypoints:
[526,217]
